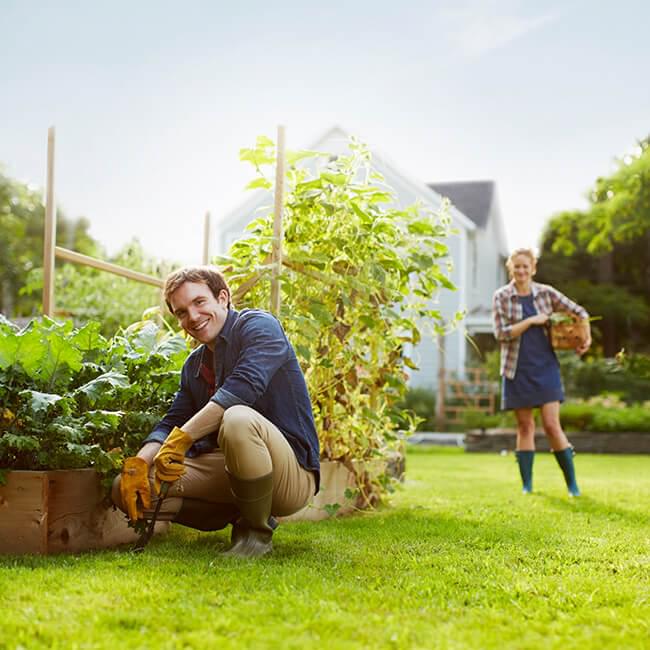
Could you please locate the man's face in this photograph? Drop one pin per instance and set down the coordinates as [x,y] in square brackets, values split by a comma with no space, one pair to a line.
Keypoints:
[198,312]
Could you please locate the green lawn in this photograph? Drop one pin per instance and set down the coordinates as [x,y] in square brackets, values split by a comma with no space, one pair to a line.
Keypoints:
[460,559]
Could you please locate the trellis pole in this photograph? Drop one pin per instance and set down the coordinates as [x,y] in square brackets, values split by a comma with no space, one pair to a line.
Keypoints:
[276,250]
[441,419]
[206,239]
[49,239]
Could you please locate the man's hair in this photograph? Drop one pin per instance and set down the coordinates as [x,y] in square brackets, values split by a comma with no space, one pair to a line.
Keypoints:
[528,252]
[206,274]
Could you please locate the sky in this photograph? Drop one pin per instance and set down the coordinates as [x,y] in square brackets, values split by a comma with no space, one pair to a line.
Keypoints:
[152,100]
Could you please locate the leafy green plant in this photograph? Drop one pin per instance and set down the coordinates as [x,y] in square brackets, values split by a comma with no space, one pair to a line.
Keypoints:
[359,280]
[71,398]
[585,378]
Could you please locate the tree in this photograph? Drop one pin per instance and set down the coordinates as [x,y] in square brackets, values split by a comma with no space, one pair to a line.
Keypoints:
[601,256]
[22,219]
[619,209]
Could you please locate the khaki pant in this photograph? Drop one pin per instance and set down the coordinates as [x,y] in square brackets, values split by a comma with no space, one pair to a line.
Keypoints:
[251,447]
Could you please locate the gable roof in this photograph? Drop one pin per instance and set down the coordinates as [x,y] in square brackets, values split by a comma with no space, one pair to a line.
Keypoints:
[472,198]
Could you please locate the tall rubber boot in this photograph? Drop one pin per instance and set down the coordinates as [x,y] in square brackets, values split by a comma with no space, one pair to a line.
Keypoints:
[565,461]
[525,461]
[204,515]
[253,531]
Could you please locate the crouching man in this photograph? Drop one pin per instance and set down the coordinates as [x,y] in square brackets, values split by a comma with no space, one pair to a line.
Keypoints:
[238,444]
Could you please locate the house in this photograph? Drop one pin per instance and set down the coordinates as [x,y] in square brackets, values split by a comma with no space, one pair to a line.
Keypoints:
[477,250]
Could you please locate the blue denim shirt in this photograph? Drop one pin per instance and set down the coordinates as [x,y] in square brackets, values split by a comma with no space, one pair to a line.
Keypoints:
[254,365]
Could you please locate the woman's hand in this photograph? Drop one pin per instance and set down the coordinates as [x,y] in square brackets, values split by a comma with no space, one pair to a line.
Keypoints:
[584,347]
[538,319]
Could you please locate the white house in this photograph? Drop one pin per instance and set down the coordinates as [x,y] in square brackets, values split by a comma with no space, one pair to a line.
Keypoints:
[477,250]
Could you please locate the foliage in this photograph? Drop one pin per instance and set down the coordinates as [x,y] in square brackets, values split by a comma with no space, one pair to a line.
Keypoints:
[606,414]
[422,403]
[599,256]
[83,293]
[585,378]
[70,398]
[461,560]
[358,280]
[21,242]
[619,208]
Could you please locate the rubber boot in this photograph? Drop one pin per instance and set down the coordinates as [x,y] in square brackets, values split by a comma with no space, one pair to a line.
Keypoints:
[525,461]
[204,515]
[565,461]
[253,531]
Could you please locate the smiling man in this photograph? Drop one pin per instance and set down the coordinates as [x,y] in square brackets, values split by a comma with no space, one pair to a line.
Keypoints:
[238,444]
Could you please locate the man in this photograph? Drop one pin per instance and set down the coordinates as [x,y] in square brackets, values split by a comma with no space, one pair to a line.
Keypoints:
[239,443]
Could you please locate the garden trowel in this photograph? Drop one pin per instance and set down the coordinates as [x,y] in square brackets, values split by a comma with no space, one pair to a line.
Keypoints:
[147,533]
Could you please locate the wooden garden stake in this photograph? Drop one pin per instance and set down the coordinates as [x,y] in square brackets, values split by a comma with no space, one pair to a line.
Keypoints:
[442,389]
[276,250]
[206,239]
[49,240]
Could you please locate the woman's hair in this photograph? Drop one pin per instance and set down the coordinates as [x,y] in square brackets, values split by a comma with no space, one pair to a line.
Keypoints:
[206,274]
[528,252]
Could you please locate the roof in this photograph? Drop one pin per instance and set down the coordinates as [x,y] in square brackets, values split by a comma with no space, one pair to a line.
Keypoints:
[472,198]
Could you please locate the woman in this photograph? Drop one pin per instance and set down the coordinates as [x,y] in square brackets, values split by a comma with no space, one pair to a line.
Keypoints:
[529,367]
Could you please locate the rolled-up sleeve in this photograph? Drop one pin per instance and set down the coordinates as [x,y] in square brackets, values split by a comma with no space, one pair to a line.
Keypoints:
[264,349]
[561,303]
[500,326]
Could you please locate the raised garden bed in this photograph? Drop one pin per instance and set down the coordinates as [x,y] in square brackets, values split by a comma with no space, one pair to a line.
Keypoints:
[339,493]
[583,441]
[59,511]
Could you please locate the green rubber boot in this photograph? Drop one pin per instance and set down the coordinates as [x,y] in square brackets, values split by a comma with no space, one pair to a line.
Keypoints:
[525,461]
[252,532]
[564,459]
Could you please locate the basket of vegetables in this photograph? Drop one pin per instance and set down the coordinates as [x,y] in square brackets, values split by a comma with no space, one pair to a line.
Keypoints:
[568,331]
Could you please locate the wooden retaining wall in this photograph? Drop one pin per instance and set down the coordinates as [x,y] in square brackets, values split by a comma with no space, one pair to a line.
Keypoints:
[583,441]
[59,511]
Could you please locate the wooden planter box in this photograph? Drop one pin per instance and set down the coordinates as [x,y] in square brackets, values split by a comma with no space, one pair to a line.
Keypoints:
[583,441]
[335,479]
[59,511]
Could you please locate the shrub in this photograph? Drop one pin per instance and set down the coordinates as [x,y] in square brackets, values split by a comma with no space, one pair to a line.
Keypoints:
[358,279]
[422,403]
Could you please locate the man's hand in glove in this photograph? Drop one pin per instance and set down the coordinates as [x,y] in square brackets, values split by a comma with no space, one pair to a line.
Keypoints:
[134,483]
[169,461]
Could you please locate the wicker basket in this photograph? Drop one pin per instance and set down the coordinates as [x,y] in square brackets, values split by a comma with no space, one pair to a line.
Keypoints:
[569,335]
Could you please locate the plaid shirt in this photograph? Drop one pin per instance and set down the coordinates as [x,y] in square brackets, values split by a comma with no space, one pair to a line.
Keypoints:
[507,310]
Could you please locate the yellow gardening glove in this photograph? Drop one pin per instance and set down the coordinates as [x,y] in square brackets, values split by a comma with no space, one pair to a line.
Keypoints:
[134,483]
[170,459]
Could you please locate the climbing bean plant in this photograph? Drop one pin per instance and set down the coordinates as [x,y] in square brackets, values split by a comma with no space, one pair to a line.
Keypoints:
[360,279]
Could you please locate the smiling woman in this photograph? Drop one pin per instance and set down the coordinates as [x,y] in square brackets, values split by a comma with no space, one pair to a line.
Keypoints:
[529,367]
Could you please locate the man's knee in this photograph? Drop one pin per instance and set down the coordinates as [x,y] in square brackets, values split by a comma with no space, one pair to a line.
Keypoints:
[237,421]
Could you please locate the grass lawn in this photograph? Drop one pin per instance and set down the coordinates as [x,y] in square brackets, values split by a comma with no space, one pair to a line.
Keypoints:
[460,559]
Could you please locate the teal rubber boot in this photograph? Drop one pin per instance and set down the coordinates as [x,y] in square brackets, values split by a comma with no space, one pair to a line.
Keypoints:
[525,461]
[565,461]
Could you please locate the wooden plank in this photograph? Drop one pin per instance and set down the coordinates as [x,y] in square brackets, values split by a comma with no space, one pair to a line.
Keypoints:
[23,513]
[60,511]
[86,260]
